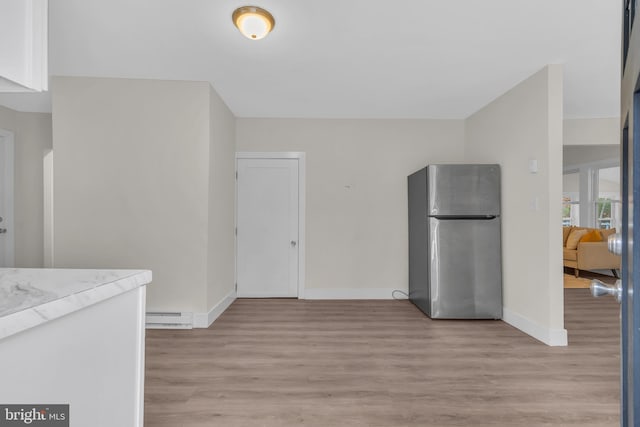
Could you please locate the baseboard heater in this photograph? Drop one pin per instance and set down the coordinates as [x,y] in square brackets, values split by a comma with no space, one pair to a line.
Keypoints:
[168,320]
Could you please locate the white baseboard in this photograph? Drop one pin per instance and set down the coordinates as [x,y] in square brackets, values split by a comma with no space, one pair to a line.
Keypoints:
[551,337]
[353,293]
[204,320]
[188,320]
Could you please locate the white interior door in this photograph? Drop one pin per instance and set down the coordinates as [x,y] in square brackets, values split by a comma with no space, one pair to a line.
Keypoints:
[6,199]
[267,228]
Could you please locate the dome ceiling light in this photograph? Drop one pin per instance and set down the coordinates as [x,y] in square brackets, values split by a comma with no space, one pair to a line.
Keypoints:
[253,22]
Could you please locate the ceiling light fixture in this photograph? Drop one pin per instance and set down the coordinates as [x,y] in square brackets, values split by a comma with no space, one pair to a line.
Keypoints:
[253,22]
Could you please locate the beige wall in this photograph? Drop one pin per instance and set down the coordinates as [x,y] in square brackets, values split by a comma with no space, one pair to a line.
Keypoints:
[131,182]
[221,253]
[523,124]
[600,131]
[7,118]
[579,155]
[356,193]
[32,138]
[144,178]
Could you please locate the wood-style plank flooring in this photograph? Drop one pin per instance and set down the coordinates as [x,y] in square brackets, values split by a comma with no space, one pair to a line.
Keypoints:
[286,362]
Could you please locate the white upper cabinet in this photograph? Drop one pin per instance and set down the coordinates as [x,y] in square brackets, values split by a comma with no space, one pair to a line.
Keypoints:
[23,46]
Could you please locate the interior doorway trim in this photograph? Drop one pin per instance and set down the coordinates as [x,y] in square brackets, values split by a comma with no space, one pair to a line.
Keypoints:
[300,156]
[7,140]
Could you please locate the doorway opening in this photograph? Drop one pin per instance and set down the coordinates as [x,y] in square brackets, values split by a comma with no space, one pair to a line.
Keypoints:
[7,229]
[592,205]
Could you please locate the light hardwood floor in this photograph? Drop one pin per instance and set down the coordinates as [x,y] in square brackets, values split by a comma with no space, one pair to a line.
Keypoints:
[285,362]
[584,281]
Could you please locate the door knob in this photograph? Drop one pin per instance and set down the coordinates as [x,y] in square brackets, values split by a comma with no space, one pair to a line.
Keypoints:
[293,243]
[599,289]
[3,230]
[614,242]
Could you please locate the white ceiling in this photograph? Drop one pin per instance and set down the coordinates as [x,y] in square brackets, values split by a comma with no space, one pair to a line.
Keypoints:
[346,58]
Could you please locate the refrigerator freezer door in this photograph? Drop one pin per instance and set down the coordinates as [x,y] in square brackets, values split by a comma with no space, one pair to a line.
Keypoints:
[463,190]
[465,269]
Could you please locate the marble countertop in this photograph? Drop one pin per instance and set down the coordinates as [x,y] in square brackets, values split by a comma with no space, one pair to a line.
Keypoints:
[32,296]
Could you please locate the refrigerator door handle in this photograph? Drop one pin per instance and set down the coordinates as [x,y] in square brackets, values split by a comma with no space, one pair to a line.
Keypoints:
[480,217]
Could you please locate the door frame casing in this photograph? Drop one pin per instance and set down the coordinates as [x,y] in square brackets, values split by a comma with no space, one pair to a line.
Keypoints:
[300,156]
[7,139]
[630,122]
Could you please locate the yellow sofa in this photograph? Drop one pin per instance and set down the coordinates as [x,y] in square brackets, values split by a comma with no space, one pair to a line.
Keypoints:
[588,255]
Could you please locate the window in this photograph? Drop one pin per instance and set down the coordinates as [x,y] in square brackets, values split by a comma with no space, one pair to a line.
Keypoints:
[608,206]
[571,199]
[591,196]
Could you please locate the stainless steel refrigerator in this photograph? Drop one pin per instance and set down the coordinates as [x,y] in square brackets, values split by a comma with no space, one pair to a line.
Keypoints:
[455,263]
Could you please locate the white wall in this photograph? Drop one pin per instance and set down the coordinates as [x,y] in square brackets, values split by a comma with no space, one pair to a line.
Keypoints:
[600,131]
[32,138]
[131,182]
[570,183]
[221,253]
[526,123]
[356,187]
